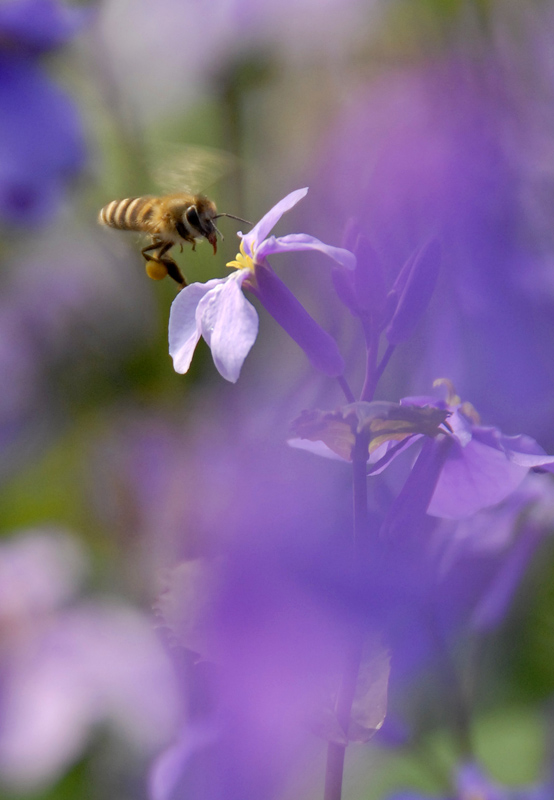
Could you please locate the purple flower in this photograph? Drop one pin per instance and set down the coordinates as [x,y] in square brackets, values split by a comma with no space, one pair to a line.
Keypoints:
[218,311]
[463,467]
[68,666]
[443,148]
[36,26]
[41,138]
[432,580]
[479,466]
[472,784]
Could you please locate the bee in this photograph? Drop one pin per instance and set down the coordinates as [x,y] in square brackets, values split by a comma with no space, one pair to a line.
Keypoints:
[169,220]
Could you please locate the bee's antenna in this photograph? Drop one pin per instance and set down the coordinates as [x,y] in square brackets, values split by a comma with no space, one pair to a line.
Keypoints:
[232,216]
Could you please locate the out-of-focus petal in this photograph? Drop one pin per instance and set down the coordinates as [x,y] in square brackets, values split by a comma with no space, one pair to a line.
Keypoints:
[39,570]
[411,505]
[416,292]
[317,448]
[41,142]
[269,220]
[295,242]
[474,477]
[522,449]
[471,782]
[184,329]
[39,25]
[97,663]
[493,605]
[229,324]
[169,767]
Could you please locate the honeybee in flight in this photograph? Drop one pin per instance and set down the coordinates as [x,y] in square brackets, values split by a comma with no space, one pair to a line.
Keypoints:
[168,220]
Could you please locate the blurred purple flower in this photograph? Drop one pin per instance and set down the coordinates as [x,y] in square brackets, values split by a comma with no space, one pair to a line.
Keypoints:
[68,666]
[41,137]
[36,26]
[363,291]
[256,599]
[218,311]
[462,467]
[413,290]
[455,148]
[472,467]
[472,784]
[432,580]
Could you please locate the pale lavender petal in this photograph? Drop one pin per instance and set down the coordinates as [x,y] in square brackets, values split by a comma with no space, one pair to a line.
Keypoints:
[229,324]
[94,664]
[302,241]
[184,329]
[522,449]
[39,571]
[317,448]
[474,477]
[267,222]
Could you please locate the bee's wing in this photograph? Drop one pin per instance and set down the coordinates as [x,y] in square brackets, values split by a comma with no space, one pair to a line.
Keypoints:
[178,168]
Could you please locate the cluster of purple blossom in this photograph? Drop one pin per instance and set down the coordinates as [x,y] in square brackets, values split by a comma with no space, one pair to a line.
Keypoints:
[440,559]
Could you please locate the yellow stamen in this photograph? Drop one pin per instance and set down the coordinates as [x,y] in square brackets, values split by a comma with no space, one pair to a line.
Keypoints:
[453,399]
[242,260]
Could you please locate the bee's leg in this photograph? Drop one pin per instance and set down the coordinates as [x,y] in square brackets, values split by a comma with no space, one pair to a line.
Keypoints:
[153,246]
[159,256]
[174,272]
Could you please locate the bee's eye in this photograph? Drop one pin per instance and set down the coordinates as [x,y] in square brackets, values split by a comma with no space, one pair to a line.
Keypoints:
[192,217]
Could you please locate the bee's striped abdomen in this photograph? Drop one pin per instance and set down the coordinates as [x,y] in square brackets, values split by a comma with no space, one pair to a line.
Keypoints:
[131,214]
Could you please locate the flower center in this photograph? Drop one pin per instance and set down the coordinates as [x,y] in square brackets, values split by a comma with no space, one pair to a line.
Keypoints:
[454,400]
[242,260]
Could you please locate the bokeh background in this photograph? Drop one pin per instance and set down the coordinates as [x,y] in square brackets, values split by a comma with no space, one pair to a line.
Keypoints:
[407,119]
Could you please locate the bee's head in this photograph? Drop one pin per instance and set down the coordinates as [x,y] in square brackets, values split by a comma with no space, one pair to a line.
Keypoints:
[200,218]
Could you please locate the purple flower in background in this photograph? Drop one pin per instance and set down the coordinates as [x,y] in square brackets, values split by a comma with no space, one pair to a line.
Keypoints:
[472,467]
[218,311]
[456,148]
[36,26]
[433,580]
[260,608]
[472,784]
[463,467]
[41,138]
[68,666]
[397,312]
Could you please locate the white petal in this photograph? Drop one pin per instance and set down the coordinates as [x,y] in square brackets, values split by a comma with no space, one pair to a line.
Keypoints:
[184,328]
[229,324]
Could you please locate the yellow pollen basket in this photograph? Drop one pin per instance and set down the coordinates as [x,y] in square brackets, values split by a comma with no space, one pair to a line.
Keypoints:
[242,260]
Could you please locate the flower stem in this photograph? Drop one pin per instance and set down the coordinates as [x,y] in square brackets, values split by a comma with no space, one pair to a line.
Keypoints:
[371,333]
[335,751]
[384,361]
[348,393]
